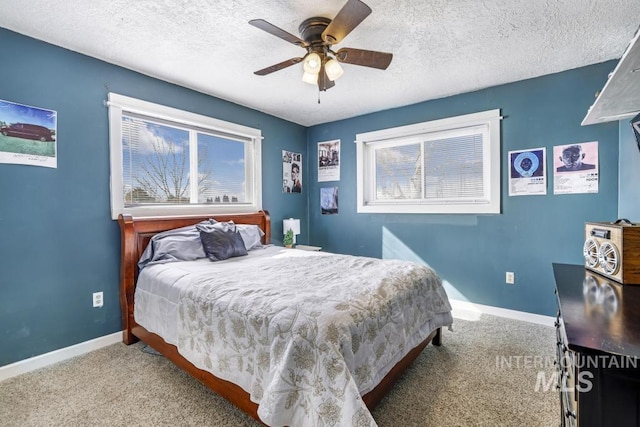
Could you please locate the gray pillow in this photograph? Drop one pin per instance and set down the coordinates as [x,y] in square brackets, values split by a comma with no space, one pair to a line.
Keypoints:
[179,244]
[251,235]
[220,245]
[213,224]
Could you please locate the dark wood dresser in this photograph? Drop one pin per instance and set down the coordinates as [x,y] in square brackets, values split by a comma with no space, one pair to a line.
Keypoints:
[598,349]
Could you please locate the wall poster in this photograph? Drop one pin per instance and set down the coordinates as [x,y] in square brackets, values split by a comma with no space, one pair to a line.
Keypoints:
[329,200]
[291,172]
[528,172]
[329,161]
[575,168]
[28,135]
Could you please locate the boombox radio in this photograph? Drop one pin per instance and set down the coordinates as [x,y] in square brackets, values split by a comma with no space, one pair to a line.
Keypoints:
[613,250]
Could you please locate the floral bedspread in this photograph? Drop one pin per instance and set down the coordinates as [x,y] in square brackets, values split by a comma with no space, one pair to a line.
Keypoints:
[306,333]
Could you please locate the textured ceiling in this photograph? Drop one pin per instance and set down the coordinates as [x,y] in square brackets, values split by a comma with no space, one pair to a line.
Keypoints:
[440,47]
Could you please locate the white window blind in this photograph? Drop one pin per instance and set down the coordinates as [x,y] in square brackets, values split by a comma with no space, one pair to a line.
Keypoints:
[454,168]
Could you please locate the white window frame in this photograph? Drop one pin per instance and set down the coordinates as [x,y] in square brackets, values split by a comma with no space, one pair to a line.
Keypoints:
[365,165]
[120,104]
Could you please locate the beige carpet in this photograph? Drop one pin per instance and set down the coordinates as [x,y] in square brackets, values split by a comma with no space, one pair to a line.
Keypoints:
[485,374]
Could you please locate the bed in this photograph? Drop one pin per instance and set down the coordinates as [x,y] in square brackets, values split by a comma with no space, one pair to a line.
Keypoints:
[291,366]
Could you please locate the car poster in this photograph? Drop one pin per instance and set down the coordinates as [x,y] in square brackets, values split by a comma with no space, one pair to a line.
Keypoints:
[28,135]
[329,161]
[527,172]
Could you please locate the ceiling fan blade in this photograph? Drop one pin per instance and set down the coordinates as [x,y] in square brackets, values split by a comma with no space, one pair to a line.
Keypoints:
[351,14]
[366,58]
[278,67]
[278,32]
[323,80]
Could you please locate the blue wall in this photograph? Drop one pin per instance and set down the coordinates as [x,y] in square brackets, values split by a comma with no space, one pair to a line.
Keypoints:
[59,244]
[629,177]
[473,252]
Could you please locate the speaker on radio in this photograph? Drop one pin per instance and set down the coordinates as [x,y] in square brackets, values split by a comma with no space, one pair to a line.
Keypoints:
[613,250]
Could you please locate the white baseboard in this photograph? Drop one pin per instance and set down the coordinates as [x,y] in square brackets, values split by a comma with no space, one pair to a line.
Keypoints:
[37,362]
[461,310]
[469,311]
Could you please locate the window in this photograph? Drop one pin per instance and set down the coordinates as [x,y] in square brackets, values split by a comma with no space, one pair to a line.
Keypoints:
[167,162]
[450,165]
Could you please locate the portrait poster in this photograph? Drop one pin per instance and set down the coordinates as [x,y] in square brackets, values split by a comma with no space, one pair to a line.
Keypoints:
[575,168]
[329,161]
[528,172]
[329,200]
[28,135]
[291,172]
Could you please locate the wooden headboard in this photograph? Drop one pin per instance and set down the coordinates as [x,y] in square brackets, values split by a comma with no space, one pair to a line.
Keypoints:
[135,234]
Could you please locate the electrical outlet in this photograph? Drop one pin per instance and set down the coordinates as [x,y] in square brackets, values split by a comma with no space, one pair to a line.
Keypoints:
[98,300]
[510,278]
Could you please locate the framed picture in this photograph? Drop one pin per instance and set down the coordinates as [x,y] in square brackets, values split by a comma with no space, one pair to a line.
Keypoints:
[575,168]
[28,135]
[528,172]
[329,161]
[329,200]
[291,172]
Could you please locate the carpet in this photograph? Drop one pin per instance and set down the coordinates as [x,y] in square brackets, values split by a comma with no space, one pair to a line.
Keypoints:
[490,371]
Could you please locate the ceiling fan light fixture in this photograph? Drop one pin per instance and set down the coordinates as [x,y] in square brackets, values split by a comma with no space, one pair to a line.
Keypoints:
[333,69]
[322,66]
[311,78]
[312,63]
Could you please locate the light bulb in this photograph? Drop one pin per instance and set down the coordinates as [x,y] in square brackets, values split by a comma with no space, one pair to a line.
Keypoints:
[312,63]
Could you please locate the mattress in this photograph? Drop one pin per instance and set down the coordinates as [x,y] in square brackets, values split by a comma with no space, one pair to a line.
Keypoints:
[158,288]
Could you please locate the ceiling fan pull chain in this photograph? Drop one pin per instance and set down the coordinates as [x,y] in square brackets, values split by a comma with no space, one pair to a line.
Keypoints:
[318,97]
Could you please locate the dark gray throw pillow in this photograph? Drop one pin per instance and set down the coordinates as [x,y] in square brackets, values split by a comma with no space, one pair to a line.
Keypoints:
[219,245]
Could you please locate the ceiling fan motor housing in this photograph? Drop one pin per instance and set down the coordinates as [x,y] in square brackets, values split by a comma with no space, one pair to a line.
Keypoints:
[311,30]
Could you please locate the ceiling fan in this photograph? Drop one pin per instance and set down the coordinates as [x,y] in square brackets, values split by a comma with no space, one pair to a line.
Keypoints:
[317,34]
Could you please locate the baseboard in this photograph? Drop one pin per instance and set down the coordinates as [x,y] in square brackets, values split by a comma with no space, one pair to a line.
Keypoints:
[43,360]
[469,311]
[461,310]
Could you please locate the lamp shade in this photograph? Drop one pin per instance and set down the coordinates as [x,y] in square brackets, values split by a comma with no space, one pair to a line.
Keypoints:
[291,224]
[333,69]
[312,63]
[310,78]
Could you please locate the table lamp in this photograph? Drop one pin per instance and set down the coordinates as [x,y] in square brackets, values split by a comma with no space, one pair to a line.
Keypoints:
[293,225]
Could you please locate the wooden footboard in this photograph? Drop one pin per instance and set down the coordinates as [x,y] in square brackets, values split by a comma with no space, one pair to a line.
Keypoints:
[374,397]
[136,233]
